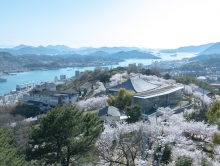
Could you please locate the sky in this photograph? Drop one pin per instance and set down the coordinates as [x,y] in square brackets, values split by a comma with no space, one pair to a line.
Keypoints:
[97,23]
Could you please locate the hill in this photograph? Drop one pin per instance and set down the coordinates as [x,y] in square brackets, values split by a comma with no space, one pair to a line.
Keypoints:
[109,50]
[6,58]
[19,47]
[99,53]
[214,49]
[62,49]
[22,49]
[204,56]
[202,64]
[134,54]
[199,48]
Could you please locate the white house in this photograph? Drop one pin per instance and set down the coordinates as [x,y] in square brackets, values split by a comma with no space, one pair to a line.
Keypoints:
[110,113]
[47,95]
[88,86]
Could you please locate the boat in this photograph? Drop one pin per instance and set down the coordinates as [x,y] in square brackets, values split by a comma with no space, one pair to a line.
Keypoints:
[3,80]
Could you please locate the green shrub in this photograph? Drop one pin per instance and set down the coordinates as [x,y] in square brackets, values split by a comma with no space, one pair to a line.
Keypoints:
[184,161]
[216,138]
[166,157]
[205,162]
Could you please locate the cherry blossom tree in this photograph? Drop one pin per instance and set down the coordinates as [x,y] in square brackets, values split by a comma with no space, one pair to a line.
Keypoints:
[206,100]
[123,144]
[100,89]
[92,103]
[170,129]
[118,79]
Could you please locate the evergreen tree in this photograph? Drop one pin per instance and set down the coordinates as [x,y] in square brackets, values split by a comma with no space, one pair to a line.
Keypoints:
[216,138]
[184,160]
[122,100]
[213,113]
[205,162]
[166,154]
[63,136]
[167,76]
[10,156]
[133,112]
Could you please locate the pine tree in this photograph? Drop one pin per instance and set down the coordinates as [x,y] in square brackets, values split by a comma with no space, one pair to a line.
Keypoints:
[63,136]
[10,156]
[133,112]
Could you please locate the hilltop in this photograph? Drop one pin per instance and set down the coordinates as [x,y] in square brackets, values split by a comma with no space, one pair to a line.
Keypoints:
[65,50]
[199,48]
[214,49]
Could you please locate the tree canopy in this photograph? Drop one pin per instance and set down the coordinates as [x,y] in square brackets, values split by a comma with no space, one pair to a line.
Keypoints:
[10,156]
[213,113]
[63,136]
[122,100]
[184,160]
[133,112]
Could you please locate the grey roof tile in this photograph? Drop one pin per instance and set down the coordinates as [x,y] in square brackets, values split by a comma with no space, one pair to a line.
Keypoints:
[135,85]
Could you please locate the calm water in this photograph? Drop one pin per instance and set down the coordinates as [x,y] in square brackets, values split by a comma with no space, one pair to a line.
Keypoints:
[48,75]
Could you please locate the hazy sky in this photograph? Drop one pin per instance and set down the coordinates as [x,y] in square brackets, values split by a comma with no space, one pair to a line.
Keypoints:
[97,23]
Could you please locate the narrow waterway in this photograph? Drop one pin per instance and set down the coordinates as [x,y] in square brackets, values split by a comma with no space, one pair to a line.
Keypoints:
[49,75]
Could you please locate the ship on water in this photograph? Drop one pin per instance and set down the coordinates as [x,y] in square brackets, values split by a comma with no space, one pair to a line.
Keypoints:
[2,80]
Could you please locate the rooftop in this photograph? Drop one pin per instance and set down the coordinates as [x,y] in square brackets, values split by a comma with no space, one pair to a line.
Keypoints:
[158,92]
[69,91]
[42,92]
[110,111]
[135,85]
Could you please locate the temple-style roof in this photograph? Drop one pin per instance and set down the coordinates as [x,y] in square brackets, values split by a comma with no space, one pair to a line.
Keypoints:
[135,85]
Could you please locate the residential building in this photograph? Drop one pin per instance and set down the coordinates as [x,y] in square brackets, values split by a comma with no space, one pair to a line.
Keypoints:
[78,73]
[25,87]
[56,79]
[62,77]
[110,113]
[140,66]
[87,86]
[46,95]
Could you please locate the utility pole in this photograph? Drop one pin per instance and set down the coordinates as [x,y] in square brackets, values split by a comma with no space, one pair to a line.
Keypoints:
[144,146]
[202,79]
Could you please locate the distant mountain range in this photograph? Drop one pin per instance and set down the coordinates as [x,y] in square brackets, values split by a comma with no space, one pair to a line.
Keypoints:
[211,49]
[40,50]
[199,48]
[62,49]
[134,54]
[6,58]
[214,49]
[211,52]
